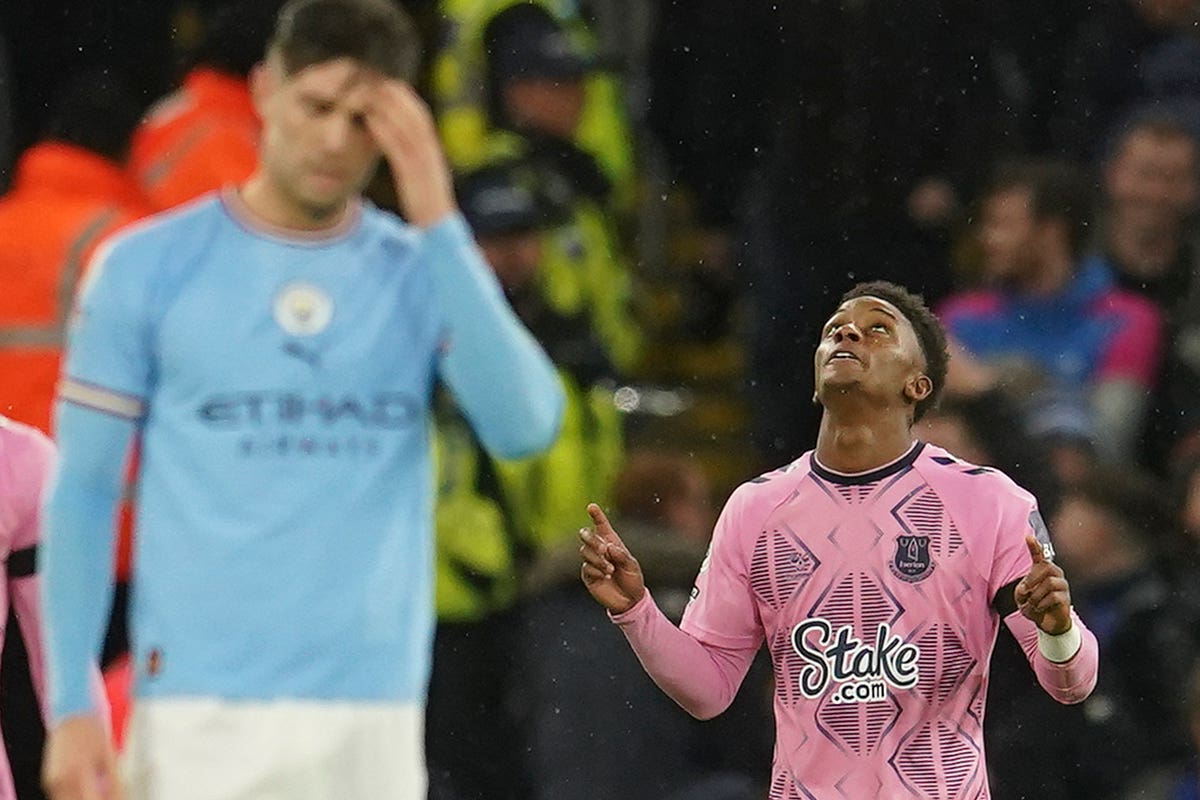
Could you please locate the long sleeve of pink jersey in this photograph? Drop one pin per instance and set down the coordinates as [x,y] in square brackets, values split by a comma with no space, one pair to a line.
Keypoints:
[701,678]
[1067,682]
[27,607]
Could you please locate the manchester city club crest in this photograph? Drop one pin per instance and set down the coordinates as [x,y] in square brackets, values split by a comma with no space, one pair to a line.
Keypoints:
[303,309]
[912,561]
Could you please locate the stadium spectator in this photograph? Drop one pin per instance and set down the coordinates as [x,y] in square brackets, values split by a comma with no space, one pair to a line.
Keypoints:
[1152,184]
[70,192]
[463,96]
[1108,531]
[1148,240]
[1050,325]
[1104,74]
[204,135]
[533,69]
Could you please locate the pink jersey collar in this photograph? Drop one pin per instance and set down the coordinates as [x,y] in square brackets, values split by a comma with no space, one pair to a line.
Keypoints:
[870,476]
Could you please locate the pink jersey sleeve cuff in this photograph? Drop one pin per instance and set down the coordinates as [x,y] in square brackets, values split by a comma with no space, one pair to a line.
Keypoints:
[1069,681]
[635,612]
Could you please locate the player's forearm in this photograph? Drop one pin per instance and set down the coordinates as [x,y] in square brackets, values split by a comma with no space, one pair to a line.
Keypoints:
[26,607]
[1068,681]
[77,551]
[501,377]
[701,678]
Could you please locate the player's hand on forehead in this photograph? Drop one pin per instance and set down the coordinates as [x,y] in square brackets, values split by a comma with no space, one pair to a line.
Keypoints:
[402,125]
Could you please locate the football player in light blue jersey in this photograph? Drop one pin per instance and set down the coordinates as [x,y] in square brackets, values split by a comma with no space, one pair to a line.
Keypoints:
[274,347]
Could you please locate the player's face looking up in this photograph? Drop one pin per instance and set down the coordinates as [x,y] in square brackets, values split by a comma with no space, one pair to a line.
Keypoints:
[869,349]
[316,149]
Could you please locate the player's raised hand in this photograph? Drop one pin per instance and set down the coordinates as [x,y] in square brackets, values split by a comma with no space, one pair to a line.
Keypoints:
[1044,595]
[403,127]
[80,763]
[610,572]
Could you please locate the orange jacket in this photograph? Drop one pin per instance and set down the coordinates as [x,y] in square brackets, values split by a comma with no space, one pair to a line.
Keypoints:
[64,202]
[199,138]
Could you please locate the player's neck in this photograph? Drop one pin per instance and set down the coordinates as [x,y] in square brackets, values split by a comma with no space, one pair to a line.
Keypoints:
[266,200]
[852,446]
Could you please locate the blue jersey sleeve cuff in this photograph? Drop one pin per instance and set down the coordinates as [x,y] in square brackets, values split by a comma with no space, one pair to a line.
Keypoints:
[450,233]
[71,701]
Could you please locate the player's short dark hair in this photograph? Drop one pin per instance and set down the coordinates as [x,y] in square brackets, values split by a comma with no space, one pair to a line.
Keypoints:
[375,33]
[1058,190]
[930,333]
[96,111]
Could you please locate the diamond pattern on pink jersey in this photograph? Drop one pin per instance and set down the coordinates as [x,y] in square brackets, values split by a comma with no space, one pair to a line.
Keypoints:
[938,761]
[856,727]
[784,788]
[788,664]
[781,564]
[856,493]
[859,599]
[944,663]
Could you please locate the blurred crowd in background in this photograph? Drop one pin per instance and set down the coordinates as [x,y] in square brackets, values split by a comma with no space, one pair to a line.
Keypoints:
[673,195]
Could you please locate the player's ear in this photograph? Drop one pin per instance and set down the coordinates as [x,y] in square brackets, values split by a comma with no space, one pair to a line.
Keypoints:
[263,82]
[918,388]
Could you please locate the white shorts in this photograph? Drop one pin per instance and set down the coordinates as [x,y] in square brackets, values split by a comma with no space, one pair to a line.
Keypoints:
[219,750]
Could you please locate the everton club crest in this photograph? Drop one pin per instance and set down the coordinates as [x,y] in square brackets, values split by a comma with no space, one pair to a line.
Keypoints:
[912,561]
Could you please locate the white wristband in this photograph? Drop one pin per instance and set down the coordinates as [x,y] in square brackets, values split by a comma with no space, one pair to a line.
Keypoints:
[1060,648]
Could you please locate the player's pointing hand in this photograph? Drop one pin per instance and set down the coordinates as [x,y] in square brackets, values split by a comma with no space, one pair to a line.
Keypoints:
[610,572]
[1043,595]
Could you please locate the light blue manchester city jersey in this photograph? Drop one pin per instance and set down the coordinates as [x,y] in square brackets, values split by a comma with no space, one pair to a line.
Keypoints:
[282,387]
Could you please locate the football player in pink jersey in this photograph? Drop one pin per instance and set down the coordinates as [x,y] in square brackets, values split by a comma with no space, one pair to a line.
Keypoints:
[877,569]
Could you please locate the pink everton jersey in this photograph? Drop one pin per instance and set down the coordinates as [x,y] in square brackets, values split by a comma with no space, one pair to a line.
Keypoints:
[874,593]
[25,460]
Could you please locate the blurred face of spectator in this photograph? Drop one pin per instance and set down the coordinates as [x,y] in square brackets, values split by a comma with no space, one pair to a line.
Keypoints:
[690,512]
[951,433]
[1082,537]
[1070,461]
[514,257]
[545,105]
[1152,180]
[315,148]
[1011,237]
[1165,13]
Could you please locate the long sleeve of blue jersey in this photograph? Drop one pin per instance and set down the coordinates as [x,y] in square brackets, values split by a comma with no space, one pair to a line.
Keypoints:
[500,376]
[107,373]
[76,556]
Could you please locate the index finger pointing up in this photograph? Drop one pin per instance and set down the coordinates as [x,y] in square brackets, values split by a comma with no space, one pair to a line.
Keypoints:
[603,526]
[1035,549]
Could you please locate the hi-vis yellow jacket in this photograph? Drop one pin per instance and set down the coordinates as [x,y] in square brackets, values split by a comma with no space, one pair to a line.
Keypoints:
[457,85]
[493,516]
